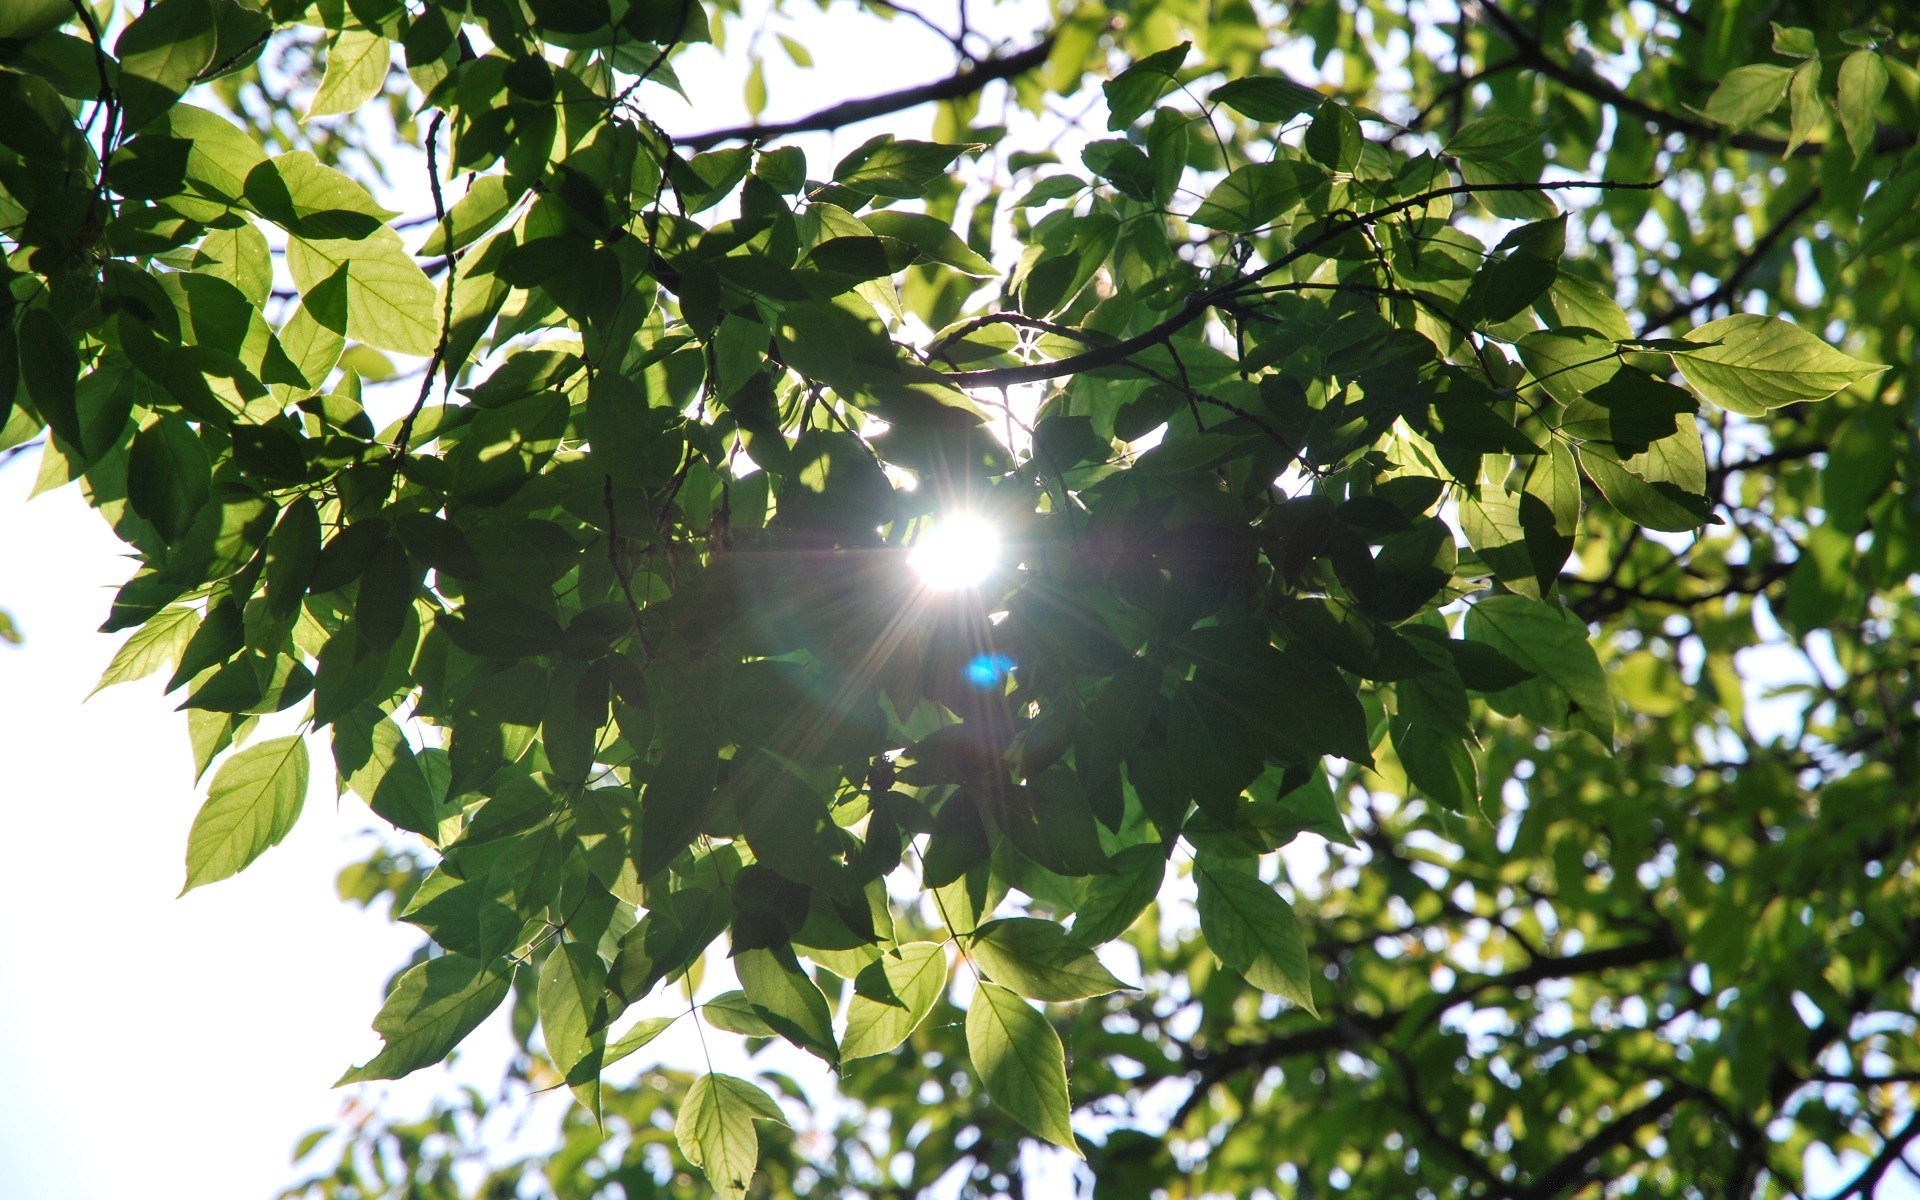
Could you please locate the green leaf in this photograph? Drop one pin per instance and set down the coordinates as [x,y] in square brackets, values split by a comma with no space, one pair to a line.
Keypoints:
[1568,690]
[1122,164]
[934,239]
[1334,138]
[1748,363]
[571,1000]
[431,1008]
[1266,98]
[306,197]
[1252,929]
[1568,362]
[1138,88]
[891,997]
[1863,80]
[51,371]
[169,475]
[1493,139]
[391,305]
[1114,902]
[39,127]
[1254,196]
[252,804]
[788,999]
[1807,112]
[1438,764]
[356,71]
[485,205]
[900,170]
[1053,187]
[1794,41]
[1861,462]
[1581,302]
[220,157]
[1510,203]
[643,1031]
[1746,94]
[1662,485]
[1036,959]
[379,766]
[1021,1061]
[316,333]
[154,645]
[756,88]
[1512,281]
[161,52]
[715,1130]
[734,1013]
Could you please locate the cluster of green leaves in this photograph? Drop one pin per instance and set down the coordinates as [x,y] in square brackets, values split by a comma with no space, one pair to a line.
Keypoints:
[611,621]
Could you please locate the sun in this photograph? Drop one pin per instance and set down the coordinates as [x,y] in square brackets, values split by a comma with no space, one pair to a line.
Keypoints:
[958,551]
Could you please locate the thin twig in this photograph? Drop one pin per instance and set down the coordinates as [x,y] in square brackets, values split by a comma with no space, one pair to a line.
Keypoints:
[1200,302]
[962,83]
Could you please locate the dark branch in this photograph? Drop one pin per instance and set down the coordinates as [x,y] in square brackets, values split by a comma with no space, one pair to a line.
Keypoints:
[1348,1030]
[1532,54]
[1729,289]
[1890,1151]
[1574,1169]
[961,83]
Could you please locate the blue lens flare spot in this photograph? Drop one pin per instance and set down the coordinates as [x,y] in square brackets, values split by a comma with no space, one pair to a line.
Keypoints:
[988,670]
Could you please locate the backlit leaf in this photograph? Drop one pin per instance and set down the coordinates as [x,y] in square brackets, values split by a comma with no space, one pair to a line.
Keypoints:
[431,1008]
[1250,928]
[891,997]
[1748,363]
[252,804]
[1020,1059]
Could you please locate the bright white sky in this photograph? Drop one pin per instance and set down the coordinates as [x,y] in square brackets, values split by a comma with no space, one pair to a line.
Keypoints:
[168,1047]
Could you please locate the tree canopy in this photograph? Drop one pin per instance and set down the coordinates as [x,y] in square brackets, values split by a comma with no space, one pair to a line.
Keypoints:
[1479,446]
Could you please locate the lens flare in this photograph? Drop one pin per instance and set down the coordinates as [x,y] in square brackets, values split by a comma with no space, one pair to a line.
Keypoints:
[957,552]
[988,670]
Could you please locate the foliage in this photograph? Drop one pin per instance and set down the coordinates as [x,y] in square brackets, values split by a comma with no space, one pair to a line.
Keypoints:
[1351,501]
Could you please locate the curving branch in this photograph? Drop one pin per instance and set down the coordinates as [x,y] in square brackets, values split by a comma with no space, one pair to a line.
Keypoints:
[964,82]
[1575,1169]
[1348,1031]
[1529,52]
[1730,287]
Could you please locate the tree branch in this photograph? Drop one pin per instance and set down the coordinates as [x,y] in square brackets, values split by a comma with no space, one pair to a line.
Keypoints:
[1890,1151]
[1346,1030]
[1572,1170]
[1730,287]
[961,83]
[1531,53]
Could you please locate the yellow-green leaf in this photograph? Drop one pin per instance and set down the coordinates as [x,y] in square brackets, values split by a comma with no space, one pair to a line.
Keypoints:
[1749,363]
[253,802]
[1863,79]
[1020,1059]
[1748,93]
[891,997]
[391,304]
[431,1008]
[1035,959]
[154,645]
[1252,929]
[715,1130]
[356,69]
